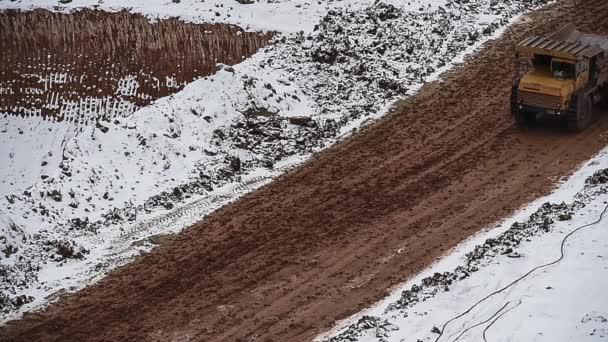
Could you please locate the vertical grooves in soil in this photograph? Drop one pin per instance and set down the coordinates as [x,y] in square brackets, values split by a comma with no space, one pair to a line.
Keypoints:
[93,64]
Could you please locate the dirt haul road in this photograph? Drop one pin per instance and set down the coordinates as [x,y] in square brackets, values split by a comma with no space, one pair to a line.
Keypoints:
[324,241]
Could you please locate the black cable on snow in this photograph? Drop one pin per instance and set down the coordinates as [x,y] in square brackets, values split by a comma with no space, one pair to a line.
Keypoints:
[562,248]
[497,318]
[480,323]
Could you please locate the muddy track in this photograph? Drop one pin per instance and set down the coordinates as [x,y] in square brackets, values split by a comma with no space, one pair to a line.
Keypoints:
[335,235]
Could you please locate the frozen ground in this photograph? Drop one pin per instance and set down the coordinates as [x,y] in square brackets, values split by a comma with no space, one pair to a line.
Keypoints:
[76,203]
[509,283]
[280,16]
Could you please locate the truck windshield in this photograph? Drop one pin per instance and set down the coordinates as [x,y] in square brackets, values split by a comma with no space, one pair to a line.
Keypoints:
[562,70]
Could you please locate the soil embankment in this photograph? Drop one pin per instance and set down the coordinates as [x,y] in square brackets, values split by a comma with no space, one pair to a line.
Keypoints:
[92,64]
[324,241]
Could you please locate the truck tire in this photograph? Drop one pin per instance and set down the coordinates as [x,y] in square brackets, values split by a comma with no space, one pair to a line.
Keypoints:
[521,117]
[580,112]
[604,100]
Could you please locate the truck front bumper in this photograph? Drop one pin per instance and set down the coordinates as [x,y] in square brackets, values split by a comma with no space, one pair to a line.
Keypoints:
[540,111]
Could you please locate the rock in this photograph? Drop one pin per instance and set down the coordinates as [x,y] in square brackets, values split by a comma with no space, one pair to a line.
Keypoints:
[235,163]
[67,250]
[177,193]
[210,152]
[9,250]
[270,87]
[387,11]
[55,195]
[435,330]
[326,55]
[102,128]
[78,223]
[21,300]
[599,177]
[381,332]
[254,111]
[300,120]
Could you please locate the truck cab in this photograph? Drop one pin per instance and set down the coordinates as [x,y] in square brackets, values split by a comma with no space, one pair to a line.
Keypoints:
[560,77]
[548,87]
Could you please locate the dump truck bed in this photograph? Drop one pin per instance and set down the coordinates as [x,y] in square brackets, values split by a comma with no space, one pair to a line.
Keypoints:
[567,43]
[593,39]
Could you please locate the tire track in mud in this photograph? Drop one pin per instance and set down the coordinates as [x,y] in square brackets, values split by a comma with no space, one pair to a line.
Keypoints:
[336,234]
[183,214]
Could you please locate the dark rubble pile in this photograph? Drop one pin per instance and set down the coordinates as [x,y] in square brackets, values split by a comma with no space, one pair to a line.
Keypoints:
[9,284]
[365,323]
[505,245]
[271,139]
[57,251]
[8,304]
[265,134]
[12,240]
[354,64]
[598,177]
[62,250]
[360,61]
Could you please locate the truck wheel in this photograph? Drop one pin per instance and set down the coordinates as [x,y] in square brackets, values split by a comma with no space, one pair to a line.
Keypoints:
[522,118]
[604,94]
[580,113]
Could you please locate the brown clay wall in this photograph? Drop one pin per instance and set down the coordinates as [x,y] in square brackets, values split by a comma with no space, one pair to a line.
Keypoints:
[93,64]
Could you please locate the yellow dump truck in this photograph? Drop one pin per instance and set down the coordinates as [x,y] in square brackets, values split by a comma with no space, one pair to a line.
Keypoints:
[563,76]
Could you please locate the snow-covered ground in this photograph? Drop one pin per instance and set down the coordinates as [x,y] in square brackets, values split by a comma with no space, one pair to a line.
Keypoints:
[509,283]
[78,202]
[280,16]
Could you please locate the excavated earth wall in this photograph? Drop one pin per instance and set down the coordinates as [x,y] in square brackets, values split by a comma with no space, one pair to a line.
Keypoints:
[91,64]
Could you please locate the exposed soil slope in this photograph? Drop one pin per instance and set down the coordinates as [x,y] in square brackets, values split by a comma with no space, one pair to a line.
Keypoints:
[92,64]
[324,241]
